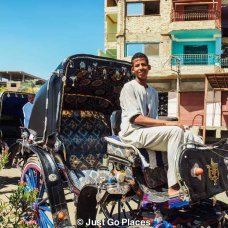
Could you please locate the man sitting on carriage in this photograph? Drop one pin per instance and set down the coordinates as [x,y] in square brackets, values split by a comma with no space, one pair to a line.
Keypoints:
[140,126]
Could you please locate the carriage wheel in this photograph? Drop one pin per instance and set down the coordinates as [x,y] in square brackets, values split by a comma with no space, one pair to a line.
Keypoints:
[33,178]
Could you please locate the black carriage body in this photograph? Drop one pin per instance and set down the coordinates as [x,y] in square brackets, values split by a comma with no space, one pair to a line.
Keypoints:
[76,103]
[213,160]
[11,115]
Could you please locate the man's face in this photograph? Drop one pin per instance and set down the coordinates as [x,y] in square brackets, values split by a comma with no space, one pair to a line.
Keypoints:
[140,69]
[31,98]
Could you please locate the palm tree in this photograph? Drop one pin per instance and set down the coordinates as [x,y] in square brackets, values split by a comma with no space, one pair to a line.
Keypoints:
[29,87]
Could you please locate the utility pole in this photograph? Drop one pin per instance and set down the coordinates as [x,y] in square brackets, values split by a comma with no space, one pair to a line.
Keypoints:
[178,72]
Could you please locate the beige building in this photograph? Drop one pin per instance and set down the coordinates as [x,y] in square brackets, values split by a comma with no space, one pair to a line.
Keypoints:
[12,80]
[183,40]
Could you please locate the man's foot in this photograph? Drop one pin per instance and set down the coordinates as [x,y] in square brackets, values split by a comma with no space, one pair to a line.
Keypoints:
[174,191]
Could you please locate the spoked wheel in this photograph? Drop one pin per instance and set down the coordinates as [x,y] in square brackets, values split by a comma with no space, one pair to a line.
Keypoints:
[119,210]
[39,212]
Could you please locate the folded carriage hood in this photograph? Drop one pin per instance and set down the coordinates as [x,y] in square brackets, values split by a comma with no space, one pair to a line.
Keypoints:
[81,82]
[97,77]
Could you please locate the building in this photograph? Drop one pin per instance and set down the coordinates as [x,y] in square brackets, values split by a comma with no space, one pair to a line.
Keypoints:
[184,40]
[12,80]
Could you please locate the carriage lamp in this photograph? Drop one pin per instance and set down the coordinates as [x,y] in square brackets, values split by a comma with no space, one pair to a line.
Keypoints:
[198,171]
[61,215]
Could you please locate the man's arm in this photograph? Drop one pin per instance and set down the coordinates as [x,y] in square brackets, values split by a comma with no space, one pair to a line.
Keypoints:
[148,121]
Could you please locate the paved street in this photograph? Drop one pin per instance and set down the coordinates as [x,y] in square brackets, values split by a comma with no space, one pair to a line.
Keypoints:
[10,177]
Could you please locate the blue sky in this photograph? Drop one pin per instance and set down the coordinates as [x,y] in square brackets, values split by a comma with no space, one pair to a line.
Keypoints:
[35,36]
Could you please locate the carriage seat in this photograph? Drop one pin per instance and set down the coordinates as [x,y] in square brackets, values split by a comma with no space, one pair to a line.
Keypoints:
[152,162]
[82,133]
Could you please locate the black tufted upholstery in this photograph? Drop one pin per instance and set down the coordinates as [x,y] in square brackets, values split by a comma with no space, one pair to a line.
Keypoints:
[82,133]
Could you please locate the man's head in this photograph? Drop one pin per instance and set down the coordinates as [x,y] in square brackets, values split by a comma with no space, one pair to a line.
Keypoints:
[140,67]
[31,98]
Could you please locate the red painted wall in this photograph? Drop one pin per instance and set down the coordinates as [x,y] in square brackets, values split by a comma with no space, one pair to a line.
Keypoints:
[191,108]
[224,104]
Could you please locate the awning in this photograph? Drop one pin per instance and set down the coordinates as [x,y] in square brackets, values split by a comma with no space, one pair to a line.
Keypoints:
[218,81]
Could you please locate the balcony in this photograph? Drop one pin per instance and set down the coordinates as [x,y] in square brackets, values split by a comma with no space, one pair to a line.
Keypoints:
[196,64]
[196,59]
[111,10]
[224,61]
[196,15]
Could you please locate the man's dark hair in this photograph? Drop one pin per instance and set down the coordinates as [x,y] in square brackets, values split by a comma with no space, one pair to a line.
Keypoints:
[139,55]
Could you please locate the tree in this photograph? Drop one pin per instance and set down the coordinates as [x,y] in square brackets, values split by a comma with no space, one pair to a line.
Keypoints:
[2,89]
[29,87]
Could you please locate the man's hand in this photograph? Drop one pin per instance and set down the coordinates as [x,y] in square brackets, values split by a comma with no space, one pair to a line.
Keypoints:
[175,123]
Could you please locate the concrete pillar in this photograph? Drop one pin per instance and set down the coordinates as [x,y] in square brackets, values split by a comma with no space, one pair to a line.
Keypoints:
[121,29]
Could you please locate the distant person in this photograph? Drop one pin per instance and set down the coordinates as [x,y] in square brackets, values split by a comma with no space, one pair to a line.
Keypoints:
[27,109]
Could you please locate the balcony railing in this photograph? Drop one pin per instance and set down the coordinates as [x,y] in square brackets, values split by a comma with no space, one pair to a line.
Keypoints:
[196,59]
[224,60]
[196,15]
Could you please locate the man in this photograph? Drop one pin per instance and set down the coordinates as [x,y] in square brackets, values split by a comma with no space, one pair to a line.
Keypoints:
[140,126]
[27,109]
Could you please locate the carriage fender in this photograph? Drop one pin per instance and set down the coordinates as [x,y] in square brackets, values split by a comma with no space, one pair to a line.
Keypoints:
[54,186]
[87,197]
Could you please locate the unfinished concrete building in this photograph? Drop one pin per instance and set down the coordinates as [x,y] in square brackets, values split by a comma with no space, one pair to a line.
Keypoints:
[183,40]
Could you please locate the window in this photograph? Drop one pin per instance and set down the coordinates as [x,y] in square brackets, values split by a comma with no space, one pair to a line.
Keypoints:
[143,8]
[150,49]
[152,8]
[13,85]
[111,3]
[134,9]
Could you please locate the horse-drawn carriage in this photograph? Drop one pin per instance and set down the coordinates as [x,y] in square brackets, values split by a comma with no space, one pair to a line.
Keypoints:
[72,138]
[11,119]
